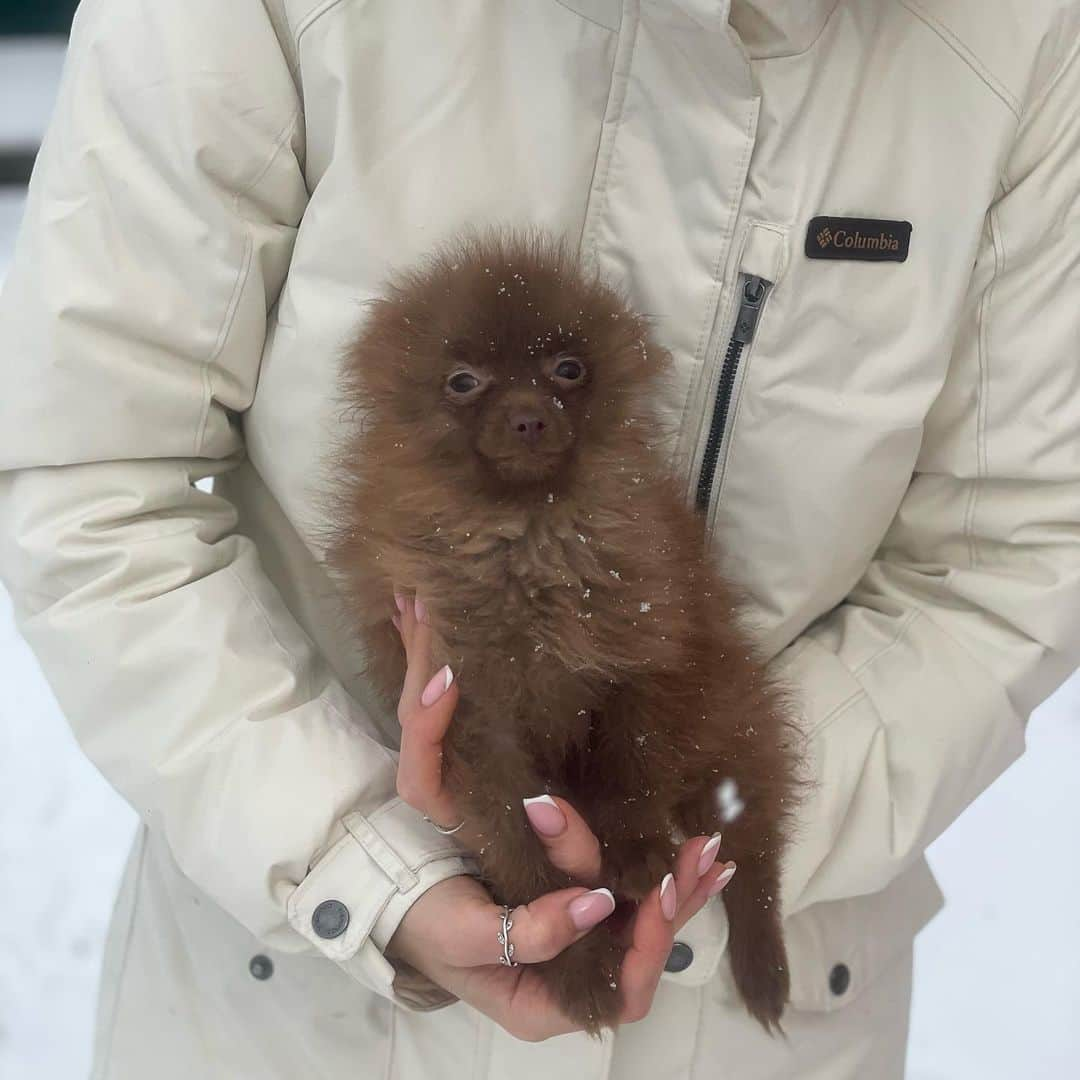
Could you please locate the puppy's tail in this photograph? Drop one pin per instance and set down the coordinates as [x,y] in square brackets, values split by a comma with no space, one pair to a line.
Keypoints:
[756,946]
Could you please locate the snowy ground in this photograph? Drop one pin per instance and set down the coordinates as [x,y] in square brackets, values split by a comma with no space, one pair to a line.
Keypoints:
[995,997]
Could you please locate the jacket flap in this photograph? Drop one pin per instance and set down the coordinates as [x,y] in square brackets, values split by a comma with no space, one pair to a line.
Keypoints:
[706,936]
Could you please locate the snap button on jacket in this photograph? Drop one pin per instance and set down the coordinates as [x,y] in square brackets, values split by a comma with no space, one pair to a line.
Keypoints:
[894,477]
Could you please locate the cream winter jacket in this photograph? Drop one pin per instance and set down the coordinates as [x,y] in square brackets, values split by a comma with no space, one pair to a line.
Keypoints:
[896,479]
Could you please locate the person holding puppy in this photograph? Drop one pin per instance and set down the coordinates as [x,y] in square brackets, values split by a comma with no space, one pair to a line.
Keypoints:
[855,226]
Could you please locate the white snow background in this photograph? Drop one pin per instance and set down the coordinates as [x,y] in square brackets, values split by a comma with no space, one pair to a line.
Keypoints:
[996,988]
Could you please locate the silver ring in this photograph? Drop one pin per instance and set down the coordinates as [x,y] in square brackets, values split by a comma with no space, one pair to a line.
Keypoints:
[442,828]
[507,958]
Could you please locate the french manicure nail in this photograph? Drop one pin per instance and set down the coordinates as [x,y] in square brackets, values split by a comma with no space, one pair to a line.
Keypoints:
[440,683]
[400,601]
[544,815]
[708,855]
[421,610]
[723,879]
[668,897]
[590,908]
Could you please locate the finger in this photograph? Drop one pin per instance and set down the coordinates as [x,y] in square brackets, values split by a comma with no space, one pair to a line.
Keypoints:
[410,609]
[539,930]
[401,601]
[417,640]
[420,762]
[570,844]
[653,932]
[712,884]
[425,710]
[696,885]
[695,860]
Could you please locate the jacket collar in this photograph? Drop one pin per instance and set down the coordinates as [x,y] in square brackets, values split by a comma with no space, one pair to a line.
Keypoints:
[774,28]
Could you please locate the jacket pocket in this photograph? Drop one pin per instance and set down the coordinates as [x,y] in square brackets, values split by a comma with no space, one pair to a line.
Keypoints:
[761,264]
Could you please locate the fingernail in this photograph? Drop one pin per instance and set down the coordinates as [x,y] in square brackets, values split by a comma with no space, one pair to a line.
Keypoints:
[400,601]
[590,908]
[723,879]
[544,815]
[396,620]
[708,855]
[440,683]
[668,897]
[421,610]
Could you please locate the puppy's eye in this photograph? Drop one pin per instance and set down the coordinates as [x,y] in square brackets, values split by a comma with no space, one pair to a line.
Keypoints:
[462,382]
[569,370]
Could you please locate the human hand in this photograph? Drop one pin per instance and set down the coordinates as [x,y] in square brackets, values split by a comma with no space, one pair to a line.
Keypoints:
[449,934]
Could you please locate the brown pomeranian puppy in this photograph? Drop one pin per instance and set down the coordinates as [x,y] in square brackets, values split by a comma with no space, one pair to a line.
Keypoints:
[506,471]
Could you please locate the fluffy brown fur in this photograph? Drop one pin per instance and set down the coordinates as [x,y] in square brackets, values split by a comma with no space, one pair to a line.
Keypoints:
[597,650]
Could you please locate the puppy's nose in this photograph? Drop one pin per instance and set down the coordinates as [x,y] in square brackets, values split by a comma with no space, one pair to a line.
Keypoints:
[528,426]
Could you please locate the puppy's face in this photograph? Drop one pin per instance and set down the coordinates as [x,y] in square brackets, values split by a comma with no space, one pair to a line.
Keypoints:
[503,357]
[521,419]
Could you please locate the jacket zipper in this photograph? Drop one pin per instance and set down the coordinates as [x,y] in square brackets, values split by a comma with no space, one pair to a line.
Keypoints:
[752,292]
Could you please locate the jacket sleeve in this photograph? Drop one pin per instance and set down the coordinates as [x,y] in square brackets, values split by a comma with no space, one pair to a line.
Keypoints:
[158,233]
[917,689]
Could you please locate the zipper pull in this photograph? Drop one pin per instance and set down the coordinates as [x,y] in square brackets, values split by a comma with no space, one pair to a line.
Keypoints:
[754,291]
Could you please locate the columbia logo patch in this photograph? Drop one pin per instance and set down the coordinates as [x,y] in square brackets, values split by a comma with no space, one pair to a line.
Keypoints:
[861,239]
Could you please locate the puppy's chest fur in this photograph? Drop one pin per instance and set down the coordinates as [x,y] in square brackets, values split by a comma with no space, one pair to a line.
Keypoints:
[546,606]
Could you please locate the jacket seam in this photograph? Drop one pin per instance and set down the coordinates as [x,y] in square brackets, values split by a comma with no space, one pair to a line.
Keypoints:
[965,54]
[288,129]
[913,615]
[243,272]
[978,663]
[346,721]
[277,13]
[617,101]
[1006,182]
[106,1055]
[830,717]
[714,321]
[588,18]
[700,992]
[482,1045]
[231,309]
[982,403]
[390,1044]
[906,622]
[765,57]
[312,17]
[1054,79]
[293,661]
[709,323]
[837,711]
